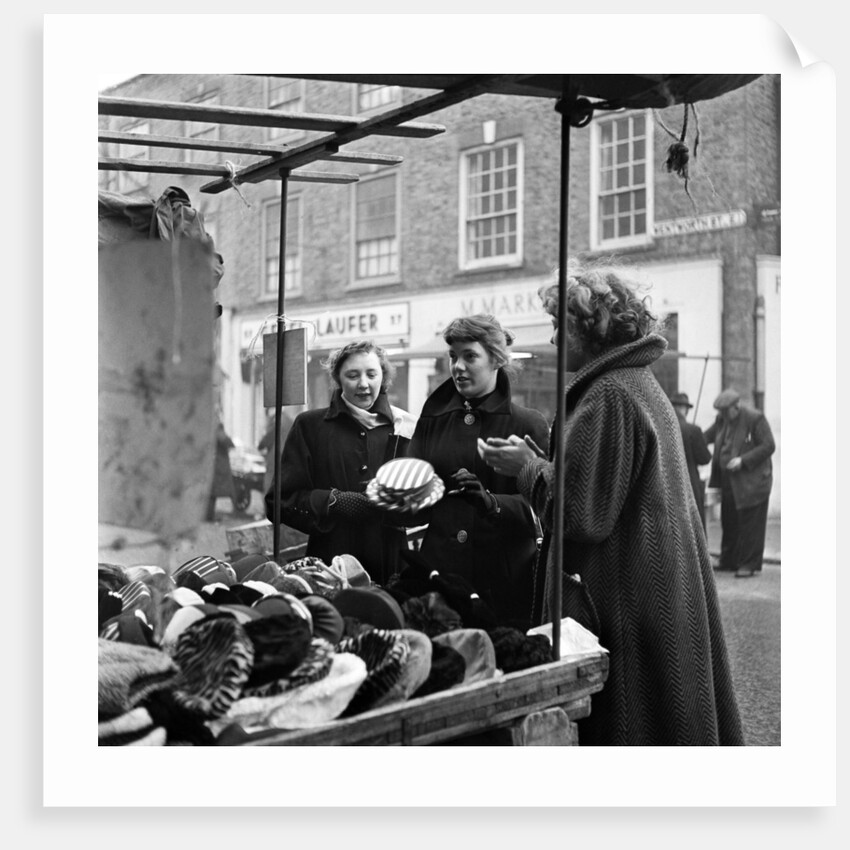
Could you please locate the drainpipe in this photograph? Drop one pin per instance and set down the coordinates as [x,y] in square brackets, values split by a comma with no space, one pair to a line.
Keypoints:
[759,342]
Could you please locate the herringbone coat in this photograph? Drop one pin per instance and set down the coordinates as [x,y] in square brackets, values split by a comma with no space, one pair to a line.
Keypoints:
[633,533]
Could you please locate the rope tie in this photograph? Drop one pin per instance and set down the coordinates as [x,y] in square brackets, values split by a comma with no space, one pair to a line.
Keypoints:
[678,154]
[234,181]
[251,353]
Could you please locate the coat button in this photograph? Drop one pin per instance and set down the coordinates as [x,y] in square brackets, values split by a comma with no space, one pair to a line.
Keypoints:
[362,433]
[363,468]
[462,536]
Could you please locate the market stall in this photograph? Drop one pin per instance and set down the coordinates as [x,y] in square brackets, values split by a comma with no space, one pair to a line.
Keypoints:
[537,702]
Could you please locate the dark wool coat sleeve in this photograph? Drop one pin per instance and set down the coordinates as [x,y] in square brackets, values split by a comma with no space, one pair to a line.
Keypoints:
[633,533]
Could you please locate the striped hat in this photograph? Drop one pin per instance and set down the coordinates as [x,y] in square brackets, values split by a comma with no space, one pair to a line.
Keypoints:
[385,653]
[207,568]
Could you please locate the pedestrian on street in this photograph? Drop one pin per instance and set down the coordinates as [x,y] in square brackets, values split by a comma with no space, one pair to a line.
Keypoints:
[332,453]
[631,529]
[696,449]
[743,470]
[222,484]
[483,528]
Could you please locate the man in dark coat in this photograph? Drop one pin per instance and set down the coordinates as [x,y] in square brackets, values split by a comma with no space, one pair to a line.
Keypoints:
[743,470]
[696,449]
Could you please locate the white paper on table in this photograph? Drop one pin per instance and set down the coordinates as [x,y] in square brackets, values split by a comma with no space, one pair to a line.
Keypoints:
[576,640]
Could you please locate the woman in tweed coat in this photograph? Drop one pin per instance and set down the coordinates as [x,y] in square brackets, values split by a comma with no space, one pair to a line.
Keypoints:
[632,532]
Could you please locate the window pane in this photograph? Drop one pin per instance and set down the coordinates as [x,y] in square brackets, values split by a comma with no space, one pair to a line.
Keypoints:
[622,177]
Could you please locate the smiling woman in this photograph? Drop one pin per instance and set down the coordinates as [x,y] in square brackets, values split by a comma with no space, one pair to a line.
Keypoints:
[332,453]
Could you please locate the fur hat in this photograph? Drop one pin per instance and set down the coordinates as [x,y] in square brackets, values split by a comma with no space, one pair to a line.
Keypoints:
[414,671]
[385,653]
[516,651]
[315,665]
[280,643]
[477,650]
[303,707]
[215,657]
[430,614]
[447,670]
[128,673]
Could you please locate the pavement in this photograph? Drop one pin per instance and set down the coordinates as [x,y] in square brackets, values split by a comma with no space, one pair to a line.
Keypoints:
[772,549]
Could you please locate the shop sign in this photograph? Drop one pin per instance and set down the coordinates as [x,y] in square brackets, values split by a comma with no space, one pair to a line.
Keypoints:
[700,223]
[332,328]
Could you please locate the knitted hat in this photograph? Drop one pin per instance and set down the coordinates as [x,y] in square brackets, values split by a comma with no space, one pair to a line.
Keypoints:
[327,621]
[370,605]
[477,650]
[414,671]
[242,613]
[303,707]
[128,673]
[323,581]
[516,651]
[156,578]
[246,564]
[280,643]
[109,605]
[111,576]
[215,657]
[351,570]
[430,614]
[266,572]
[385,653]
[447,670]
[129,627]
[246,595]
[293,583]
[219,594]
[283,603]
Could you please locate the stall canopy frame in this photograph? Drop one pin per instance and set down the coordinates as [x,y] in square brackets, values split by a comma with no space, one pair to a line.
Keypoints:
[576,98]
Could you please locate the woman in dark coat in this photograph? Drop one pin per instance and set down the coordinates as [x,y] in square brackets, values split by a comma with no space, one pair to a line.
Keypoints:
[631,529]
[331,454]
[483,528]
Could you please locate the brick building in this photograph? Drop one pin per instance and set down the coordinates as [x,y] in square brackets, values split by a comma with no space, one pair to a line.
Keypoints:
[469,223]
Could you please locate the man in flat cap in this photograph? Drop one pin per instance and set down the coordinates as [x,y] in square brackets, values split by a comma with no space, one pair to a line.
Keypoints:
[696,450]
[742,469]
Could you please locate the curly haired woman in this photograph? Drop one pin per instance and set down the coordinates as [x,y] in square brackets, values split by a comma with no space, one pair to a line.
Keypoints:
[632,531]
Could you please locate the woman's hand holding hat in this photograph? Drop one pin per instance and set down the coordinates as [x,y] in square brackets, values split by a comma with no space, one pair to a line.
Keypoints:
[470,488]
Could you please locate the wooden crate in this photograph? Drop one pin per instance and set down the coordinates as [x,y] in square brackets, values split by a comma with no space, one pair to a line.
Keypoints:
[538,705]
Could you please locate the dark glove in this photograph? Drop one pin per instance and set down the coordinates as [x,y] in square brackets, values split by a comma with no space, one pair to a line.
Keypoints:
[350,505]
[470,489]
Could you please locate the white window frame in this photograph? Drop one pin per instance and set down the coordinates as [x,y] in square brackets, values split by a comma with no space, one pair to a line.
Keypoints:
[211,130]
[393,277]
[510,260]
[282,135]
[134,181]
[268,292]
[596,240]
[395,99]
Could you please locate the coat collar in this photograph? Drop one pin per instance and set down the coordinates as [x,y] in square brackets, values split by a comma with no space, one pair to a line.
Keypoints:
[641,352]
[446,398]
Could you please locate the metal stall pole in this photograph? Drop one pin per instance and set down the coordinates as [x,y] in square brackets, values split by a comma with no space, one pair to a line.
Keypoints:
[556,581]
[278,448]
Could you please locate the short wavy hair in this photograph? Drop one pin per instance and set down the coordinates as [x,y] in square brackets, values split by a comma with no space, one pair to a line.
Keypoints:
[486,330]
[336,359]
[605,308]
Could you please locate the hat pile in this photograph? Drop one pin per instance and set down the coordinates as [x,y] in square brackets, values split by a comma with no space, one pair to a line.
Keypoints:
[405,484]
